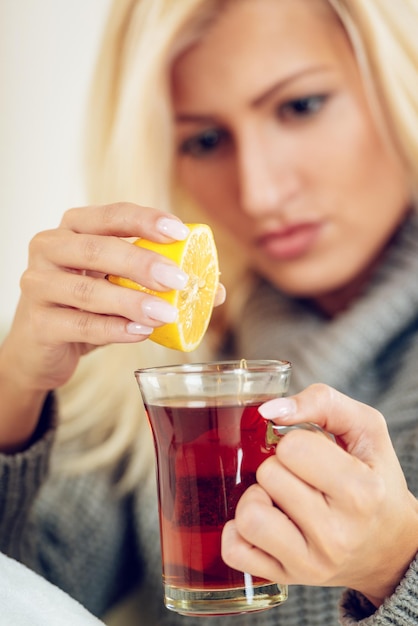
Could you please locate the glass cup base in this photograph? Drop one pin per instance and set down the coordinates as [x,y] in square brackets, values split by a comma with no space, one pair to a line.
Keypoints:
[224,601]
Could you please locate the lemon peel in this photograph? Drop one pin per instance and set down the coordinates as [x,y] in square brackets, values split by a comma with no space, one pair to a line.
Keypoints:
[197,257]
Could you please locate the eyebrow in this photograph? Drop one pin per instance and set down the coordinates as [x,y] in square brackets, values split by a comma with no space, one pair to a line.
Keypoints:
[187,118]
[281,84]
[259,100]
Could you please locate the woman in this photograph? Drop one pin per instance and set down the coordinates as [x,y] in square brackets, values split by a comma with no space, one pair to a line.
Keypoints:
[289,126]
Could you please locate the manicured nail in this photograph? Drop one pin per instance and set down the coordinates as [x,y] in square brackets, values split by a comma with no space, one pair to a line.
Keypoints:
[138,329]
[278,407]
[159,310]
[220,295]
[172,228]
[169,275]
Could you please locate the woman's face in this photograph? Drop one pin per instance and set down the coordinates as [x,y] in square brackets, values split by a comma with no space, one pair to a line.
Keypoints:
[276,141]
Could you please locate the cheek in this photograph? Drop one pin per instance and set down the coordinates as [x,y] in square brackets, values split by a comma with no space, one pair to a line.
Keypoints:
[211,186]
[362,182]
[378,188]
[365,161]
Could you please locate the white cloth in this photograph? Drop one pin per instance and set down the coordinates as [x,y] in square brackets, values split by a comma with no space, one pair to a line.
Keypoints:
[27,599]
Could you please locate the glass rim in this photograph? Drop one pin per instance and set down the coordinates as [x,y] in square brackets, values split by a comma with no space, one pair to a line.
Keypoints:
[228,366]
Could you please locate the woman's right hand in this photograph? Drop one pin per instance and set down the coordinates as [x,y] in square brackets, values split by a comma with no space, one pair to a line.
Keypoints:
[67,307]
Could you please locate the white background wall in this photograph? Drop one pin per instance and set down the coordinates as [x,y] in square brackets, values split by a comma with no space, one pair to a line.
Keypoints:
[47,53]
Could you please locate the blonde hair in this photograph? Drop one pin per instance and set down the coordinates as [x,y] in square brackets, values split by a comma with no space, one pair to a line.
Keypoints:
[129,157]
[383,36]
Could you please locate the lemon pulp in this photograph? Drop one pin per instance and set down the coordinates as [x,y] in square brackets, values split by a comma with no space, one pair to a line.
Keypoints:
[197,256]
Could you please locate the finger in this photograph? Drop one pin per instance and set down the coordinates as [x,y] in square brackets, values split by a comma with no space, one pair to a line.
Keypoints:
[125,219]
[96,295]
[305,476]
[220,295]
[245,557]
[263,526]
[295,494]
[360,428]
[105,255]
[62,325]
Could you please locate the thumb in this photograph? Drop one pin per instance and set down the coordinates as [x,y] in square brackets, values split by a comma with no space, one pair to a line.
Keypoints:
[352,423]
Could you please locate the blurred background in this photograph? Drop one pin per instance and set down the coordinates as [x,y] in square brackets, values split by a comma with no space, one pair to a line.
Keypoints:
[47,54]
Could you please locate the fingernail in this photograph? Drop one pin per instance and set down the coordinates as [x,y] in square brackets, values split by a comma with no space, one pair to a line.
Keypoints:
[220,295]
[278,407]
[159,310]
[169,275]
[138,329]
[172,228]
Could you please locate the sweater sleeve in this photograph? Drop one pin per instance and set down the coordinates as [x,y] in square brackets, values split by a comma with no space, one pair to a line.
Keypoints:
[400,609]
[73,530]
[21,476]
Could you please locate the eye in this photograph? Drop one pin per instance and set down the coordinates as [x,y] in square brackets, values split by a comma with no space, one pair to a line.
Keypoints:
[301,107]
[204,143]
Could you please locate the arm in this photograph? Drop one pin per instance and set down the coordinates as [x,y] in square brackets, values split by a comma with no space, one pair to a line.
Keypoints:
[67,309]
[343,516]
[21,476]
[22,405]
[397,610]
[74,531]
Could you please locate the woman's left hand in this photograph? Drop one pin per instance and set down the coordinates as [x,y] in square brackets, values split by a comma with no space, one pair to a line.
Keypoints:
[327,514]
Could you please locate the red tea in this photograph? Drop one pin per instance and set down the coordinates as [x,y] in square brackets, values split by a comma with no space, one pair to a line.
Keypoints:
[206,457]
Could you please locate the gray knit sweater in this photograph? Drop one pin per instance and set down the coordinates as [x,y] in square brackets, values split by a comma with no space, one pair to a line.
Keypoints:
[93,544]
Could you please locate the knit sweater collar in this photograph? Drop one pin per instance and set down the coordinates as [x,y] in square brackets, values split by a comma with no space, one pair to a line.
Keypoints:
[334,351]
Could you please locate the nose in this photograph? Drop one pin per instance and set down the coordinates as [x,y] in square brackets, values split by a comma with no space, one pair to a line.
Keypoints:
[267,175]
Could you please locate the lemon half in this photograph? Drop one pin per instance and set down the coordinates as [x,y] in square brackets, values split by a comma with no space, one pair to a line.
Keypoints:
[197,256]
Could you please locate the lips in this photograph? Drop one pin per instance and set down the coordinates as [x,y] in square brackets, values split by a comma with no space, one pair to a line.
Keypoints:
[291,242]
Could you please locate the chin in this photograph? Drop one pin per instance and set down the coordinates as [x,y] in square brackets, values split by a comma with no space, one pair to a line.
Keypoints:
[309,288]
